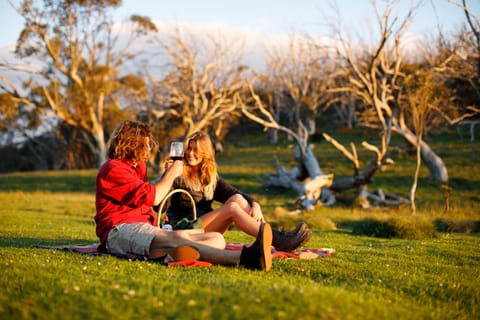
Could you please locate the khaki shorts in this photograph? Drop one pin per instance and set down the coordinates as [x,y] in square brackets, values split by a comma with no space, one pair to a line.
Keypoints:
[133,238]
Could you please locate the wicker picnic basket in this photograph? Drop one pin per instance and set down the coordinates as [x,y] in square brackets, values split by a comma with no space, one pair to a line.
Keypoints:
[194,209]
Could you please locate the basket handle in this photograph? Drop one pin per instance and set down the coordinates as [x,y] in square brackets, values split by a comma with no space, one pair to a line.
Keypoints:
[162,204]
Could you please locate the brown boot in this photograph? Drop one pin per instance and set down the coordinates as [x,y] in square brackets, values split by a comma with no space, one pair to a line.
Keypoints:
[291,240]
[300,227]
[259,254]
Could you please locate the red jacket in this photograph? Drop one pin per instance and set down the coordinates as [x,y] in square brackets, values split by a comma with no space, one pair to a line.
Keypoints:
[122,195]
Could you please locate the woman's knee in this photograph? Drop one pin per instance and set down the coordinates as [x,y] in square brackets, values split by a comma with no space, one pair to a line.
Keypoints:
[233,207]
[236,198]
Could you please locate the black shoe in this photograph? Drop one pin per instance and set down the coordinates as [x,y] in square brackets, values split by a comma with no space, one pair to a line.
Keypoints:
[289,240]
[259,255]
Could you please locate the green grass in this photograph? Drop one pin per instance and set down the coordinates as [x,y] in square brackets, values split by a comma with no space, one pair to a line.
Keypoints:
[367,277]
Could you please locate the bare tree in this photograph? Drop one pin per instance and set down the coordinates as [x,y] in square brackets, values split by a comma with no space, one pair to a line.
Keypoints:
[473,41]
[79,75]
[375,76]
[421,95]
[203,76]
[298,76]
[461,72]
[314,183]
[301,79]
[316,187]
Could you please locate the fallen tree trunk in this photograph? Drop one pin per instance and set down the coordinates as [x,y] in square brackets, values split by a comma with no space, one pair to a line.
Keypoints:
[365,177]
[309,190]
[378,197]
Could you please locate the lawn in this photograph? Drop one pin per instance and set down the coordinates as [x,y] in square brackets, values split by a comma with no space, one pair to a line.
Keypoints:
[434,277]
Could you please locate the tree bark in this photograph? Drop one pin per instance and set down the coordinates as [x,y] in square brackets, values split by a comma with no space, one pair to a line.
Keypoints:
[436,166]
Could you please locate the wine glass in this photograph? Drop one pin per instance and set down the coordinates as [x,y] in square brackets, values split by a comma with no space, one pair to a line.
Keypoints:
[176,150]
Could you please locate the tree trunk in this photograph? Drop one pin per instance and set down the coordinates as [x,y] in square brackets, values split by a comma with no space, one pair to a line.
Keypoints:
[272,136]
[435,164]
[315,190]
[413,191]
[314,186]
[101,149]
[311,163]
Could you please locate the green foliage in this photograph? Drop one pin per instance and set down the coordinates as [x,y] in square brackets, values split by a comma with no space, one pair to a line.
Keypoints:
[8,110]
[144,24]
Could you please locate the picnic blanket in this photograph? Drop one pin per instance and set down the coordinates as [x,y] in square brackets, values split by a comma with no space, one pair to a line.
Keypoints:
[304,253]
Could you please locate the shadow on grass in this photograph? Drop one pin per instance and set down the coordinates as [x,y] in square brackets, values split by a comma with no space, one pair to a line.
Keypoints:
[345,231]
[461,184]
[25,242]
[462,226]
[53,181]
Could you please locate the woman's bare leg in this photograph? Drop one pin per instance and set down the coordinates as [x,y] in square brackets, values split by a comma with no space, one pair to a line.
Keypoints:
[241,201]
[220,219]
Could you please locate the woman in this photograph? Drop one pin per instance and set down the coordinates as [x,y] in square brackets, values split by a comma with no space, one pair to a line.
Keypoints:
[201,180]
[126,223]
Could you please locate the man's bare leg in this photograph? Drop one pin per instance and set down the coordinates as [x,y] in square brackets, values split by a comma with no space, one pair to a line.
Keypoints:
[256,256]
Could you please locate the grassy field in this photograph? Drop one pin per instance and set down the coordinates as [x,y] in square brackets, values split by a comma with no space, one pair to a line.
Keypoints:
[430,277]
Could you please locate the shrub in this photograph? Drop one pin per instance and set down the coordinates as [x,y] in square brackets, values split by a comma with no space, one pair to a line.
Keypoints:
[282,218]
[396,227]
[458,226]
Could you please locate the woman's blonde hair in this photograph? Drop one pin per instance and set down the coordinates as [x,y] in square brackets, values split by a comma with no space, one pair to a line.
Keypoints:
[131,141]
[204,176]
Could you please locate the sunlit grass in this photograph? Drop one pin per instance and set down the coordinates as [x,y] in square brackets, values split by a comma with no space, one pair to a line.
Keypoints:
[366,278]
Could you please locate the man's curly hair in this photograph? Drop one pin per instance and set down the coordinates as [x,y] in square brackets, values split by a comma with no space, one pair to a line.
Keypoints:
[131,141]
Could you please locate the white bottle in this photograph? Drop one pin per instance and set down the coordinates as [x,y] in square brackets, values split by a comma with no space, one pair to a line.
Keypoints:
[166,225]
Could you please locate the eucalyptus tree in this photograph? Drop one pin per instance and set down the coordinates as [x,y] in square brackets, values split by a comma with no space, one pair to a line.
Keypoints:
[81,66]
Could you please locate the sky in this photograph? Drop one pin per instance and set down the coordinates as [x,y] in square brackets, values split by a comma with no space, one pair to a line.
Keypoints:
[264,17]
